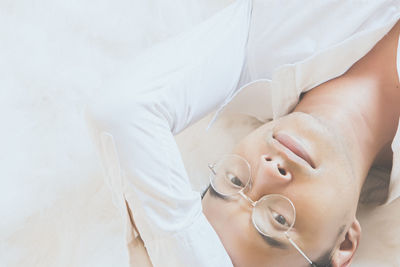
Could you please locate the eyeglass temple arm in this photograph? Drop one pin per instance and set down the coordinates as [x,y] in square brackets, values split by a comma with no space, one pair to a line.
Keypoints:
[299,250]
[211,167]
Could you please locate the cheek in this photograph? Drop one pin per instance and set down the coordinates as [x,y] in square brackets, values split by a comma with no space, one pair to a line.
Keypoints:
[317,214]
[316,200]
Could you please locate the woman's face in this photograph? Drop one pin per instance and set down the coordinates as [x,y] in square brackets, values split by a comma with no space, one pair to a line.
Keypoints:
[298,157]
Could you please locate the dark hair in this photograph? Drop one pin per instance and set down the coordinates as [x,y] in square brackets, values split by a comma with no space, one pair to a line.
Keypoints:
[205,191]
[324,261]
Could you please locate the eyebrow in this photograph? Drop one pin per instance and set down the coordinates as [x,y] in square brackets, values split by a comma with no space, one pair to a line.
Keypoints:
[269,240]
[215,194]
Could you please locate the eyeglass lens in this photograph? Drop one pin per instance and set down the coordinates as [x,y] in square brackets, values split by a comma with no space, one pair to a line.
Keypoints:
[273,215]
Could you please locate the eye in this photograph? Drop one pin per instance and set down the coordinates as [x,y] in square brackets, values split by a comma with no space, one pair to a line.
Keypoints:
[235,180]
[280,219]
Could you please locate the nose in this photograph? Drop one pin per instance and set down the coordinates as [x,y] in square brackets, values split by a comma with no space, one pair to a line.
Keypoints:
[270,177]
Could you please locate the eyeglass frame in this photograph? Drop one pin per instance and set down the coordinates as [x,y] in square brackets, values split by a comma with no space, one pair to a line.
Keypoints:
[254,203]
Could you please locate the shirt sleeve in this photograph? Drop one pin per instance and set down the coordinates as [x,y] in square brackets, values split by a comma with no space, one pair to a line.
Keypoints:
[174,84]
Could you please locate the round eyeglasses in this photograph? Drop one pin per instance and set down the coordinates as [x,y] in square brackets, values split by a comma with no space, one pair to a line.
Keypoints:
[273,215]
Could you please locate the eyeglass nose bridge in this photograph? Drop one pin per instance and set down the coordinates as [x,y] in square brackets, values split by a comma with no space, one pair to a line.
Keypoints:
[252,202]
[211,167]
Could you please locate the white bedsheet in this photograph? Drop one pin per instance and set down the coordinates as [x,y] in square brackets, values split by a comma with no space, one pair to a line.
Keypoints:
[55,208]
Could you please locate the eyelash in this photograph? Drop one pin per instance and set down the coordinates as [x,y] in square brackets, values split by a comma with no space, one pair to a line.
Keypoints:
[216,194]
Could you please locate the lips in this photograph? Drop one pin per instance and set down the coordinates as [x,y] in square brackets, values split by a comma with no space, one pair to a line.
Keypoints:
[294,146]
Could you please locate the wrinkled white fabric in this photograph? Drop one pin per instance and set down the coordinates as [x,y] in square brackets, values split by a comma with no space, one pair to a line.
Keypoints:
[269,89]
[178,88]
[394,189]
[57,56]
[181,80]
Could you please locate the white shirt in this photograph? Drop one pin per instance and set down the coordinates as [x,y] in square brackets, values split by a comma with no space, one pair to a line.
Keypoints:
[257,57]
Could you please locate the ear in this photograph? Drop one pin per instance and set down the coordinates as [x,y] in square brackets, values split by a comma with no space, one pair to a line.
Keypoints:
[344,254]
